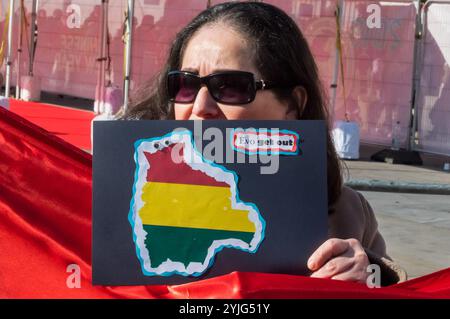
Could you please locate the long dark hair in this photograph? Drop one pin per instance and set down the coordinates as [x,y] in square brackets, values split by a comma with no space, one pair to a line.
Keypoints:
[281,54]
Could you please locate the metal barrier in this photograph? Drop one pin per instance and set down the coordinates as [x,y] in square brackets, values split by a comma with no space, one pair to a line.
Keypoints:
[432,100]
[377,61]
[378,68]
[384,75]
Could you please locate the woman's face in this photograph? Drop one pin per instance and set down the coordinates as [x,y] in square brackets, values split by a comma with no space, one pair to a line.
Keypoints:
[218,48]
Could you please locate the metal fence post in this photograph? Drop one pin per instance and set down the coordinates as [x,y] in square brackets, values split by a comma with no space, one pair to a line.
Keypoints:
[9,48]
[128,57]
[411,142]
[334,84]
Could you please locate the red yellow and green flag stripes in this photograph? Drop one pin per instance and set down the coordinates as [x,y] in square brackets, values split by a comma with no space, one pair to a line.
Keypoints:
[185,210]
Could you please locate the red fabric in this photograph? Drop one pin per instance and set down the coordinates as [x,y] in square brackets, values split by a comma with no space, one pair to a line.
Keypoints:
[72,125]
[45,225]
[165,170]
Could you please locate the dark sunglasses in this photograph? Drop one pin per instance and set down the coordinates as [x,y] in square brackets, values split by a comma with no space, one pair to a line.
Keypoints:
[228,87]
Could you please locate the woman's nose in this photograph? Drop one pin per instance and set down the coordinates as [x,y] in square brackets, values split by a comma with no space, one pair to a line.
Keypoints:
[204,105]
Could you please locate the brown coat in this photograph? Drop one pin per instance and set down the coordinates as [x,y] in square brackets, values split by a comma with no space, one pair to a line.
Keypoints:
[353,217]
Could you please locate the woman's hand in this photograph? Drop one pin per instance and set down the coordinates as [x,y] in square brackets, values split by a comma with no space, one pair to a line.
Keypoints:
[341,260]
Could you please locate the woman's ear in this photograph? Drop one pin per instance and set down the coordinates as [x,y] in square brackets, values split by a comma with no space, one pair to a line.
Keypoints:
[297,104]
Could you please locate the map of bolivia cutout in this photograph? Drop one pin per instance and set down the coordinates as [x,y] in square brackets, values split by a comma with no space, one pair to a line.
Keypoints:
[186,209]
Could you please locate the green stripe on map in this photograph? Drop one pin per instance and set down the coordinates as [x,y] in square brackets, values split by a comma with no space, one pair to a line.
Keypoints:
[185,244]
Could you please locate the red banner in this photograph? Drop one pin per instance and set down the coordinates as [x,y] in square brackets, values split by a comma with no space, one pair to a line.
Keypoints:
[45,226]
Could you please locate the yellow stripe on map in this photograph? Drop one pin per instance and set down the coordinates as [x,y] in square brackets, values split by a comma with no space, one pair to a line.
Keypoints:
[192,206]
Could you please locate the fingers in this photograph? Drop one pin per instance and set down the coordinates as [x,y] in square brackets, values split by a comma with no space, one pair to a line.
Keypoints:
[357,273]
[351,276]
[340,260]
[332,247]
[334,267]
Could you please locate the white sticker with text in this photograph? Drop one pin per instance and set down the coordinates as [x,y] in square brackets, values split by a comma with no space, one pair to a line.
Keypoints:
[263,141]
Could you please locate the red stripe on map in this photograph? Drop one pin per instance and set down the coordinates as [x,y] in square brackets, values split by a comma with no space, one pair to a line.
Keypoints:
[164,170]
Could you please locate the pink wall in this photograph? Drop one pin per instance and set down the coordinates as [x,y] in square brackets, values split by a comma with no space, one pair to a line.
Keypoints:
[378,68]
[434,90]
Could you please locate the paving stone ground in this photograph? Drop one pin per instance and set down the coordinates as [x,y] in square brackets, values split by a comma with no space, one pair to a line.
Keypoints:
[416,227]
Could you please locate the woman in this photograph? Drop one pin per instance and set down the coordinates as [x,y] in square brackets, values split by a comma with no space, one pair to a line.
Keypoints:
[213,64]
